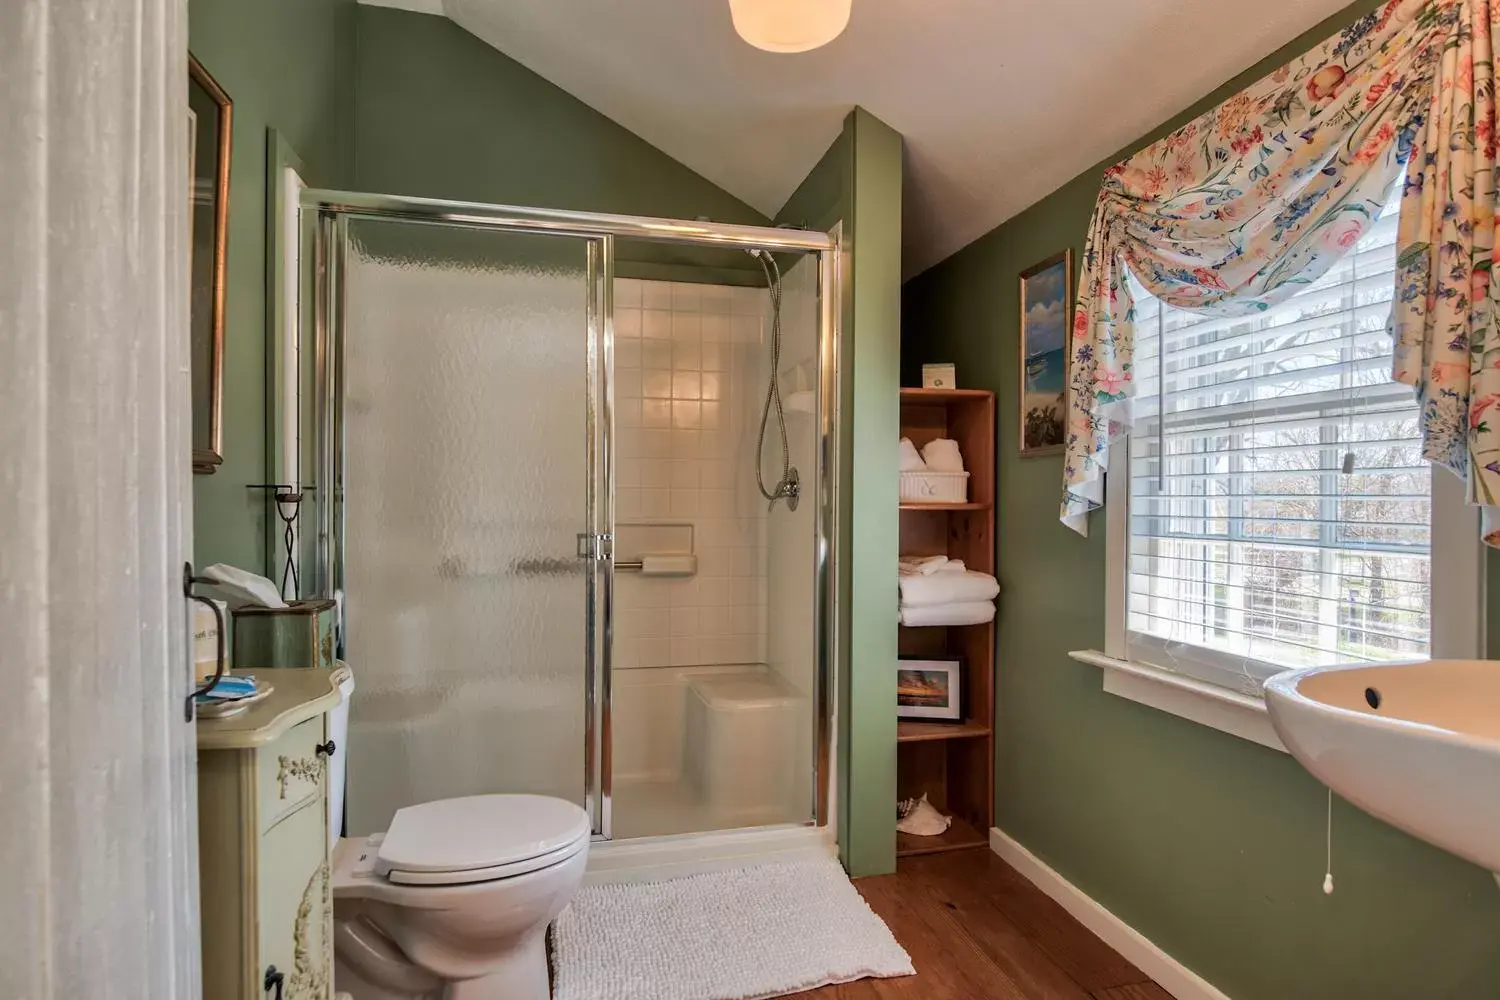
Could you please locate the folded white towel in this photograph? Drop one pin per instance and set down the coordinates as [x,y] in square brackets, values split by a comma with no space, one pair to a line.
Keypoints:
[923,565]
[928,565]
[947,588]
[942,455]
[910,460]
[971,613]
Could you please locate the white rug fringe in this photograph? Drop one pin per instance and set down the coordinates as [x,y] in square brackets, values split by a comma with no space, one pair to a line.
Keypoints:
[744,934]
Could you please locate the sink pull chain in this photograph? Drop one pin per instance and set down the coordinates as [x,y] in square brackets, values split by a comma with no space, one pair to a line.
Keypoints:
[1328,870]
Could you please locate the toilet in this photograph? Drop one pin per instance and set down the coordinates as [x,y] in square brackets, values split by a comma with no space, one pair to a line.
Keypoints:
[453,901]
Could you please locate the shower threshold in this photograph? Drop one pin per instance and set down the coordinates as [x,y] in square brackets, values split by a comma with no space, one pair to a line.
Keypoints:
[651,859]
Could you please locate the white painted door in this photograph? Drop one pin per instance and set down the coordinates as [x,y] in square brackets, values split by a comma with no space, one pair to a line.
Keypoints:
[98,843]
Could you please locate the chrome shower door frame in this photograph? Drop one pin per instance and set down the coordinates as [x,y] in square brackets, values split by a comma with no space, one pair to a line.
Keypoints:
[325,215]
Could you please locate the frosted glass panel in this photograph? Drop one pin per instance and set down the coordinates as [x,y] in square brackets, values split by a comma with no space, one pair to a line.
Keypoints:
[466,473]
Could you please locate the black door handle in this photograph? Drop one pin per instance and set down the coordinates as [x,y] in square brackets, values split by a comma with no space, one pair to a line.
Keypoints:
[188,579]
[273,979]
[326,749]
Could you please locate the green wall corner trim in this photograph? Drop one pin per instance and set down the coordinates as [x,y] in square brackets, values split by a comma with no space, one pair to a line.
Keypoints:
[857,182]
[875,423]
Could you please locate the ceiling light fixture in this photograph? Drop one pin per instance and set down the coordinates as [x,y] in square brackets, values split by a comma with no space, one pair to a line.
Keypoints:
[789,25]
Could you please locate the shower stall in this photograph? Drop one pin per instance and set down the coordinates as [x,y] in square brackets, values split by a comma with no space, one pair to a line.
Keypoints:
[536,441]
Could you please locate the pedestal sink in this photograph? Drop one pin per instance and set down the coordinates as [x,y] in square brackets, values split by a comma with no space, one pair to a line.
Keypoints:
[1416,744]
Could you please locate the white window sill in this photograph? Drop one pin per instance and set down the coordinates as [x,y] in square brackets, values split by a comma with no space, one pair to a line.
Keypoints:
[1218,708]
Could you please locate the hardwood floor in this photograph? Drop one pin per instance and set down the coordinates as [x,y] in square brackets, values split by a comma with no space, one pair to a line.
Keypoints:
[977,930]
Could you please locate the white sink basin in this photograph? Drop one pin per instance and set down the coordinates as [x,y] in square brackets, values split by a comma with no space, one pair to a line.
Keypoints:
[1416,744]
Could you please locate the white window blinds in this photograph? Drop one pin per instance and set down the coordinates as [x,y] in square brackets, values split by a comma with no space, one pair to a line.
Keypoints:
[1279,507]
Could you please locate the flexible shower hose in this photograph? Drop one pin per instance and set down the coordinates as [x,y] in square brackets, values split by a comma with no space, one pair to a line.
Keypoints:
[786,488]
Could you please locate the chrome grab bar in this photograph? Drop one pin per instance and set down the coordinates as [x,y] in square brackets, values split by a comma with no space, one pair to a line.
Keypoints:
[562,567]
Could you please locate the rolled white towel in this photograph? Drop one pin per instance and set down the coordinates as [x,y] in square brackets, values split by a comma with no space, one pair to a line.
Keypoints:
[910,460]
[968,613]
[942,455]
[947,588]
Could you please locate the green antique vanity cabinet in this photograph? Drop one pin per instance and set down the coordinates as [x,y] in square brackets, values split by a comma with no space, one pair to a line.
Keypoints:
[263,856]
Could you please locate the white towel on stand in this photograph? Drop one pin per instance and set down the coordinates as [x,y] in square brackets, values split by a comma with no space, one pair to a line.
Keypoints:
[947,588]
[972,613]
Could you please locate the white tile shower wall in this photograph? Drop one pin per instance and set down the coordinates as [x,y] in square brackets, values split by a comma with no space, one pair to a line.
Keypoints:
[690,371]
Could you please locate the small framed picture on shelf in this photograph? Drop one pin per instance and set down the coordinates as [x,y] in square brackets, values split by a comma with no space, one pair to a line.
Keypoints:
[929,689]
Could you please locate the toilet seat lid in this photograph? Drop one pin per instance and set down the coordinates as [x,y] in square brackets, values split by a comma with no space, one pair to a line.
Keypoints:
[480,832]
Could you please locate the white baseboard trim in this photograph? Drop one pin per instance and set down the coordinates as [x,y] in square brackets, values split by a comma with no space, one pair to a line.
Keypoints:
[1170,974]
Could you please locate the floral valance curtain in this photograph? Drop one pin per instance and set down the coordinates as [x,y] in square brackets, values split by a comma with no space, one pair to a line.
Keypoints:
[1241,207]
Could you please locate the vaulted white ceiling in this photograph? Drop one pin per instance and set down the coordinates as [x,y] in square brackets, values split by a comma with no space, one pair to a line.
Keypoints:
[1000,101]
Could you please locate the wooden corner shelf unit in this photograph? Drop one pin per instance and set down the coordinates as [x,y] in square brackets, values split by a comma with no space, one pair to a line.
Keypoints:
[953,763]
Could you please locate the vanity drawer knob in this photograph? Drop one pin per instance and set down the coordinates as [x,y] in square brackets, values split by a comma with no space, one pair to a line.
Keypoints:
[326,749]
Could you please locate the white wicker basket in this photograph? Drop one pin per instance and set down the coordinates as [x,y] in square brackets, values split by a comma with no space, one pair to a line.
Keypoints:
[934,487]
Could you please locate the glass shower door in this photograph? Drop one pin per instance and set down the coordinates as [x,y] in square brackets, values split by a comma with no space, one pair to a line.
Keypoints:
[469,373]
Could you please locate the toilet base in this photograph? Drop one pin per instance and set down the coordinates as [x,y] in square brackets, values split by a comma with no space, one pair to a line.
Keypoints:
[523,976]
[347,982]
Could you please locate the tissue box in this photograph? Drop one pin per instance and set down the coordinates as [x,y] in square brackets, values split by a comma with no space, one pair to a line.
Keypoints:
[940,376]
[298,635]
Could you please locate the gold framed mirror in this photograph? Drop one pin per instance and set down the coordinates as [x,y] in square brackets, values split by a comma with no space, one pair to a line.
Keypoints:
[211,127]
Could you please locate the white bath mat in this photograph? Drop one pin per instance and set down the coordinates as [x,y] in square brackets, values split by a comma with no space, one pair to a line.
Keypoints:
[744,934]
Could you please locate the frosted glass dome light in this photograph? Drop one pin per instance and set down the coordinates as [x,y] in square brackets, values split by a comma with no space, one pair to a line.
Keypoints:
[789,25]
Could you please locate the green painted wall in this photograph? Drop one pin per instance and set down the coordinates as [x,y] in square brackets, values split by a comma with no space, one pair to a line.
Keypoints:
[858,182]
[1209,845]
[287,65]
[442,114]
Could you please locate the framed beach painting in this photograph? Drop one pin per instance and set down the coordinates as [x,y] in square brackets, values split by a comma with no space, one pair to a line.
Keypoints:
[1046,294]
[929,689]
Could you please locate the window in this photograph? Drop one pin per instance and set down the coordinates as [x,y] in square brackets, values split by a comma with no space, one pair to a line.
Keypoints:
[1278,512]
